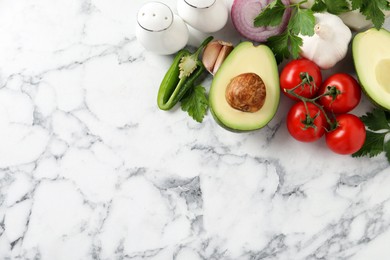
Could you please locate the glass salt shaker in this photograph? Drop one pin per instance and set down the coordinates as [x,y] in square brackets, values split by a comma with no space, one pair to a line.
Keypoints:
[207,16]
[159,30]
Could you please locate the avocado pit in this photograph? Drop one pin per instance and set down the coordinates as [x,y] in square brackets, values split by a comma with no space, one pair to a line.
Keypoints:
[246,92]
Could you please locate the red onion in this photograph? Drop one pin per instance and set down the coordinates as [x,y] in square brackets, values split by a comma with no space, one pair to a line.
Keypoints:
[244,13]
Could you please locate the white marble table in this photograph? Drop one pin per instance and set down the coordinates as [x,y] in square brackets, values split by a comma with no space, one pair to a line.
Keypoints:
[90,168]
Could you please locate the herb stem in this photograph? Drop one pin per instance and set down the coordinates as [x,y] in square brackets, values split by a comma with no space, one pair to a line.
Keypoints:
[201,47]
[332,124]
[298,4]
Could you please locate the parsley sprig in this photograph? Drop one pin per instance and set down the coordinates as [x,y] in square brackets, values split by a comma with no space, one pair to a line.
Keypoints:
[302,21]
[332,6]
[288,43]
[196,103]
[378,134]
[371,9]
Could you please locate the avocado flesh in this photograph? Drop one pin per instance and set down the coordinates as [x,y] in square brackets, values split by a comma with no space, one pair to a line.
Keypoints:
[371,55]
[245,58]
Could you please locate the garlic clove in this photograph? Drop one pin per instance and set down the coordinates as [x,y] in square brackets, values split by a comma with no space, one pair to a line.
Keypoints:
[225,51]
[210,55]
[214,54]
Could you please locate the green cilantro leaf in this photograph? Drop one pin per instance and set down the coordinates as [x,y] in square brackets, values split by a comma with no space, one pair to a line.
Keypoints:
[295,45]
[356,4]
[319,6]
[337,6]
[302,22]
[375,120]
[279,46]
[384,4]
[378,128]
[373,145]
[271,15]
[285,45]
[387,6]
[196,103]
[332,6]
[371,9]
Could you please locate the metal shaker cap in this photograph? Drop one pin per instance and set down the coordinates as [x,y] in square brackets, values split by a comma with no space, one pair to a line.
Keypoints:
[200,3]
[155,17]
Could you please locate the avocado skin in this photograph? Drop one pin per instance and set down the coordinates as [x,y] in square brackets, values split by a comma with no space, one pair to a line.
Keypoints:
[232,129]
[216,119]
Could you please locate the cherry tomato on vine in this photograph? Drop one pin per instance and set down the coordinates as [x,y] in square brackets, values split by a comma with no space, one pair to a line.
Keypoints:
[345,93]
[303,126]
[349,135]
[292,75]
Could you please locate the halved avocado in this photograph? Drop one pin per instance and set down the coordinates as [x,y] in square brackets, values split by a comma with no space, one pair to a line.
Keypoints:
[371,56]
[250,63]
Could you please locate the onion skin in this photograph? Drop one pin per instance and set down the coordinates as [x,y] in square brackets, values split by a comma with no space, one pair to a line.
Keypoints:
[243,14]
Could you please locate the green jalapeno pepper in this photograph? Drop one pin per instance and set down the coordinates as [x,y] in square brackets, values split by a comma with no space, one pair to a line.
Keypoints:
[181,76]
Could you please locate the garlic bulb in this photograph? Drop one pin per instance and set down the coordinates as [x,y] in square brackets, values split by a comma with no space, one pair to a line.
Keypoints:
[329,44]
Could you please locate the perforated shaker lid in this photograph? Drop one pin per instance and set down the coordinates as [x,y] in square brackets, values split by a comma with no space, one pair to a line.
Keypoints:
[155,16]
[200,3]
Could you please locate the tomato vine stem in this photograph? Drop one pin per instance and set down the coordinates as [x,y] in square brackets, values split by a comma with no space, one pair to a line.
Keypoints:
[331,91]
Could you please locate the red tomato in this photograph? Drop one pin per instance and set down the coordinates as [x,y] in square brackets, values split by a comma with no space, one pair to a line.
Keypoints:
[349,97]
[348,137]
[290,77]
[297,121]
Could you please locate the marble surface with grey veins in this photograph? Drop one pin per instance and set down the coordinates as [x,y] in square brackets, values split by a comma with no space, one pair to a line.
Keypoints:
[90,168]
